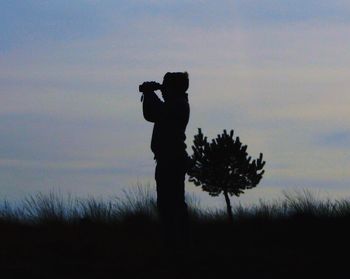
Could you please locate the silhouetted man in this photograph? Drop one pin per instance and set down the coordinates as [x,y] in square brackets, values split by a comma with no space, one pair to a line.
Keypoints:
[170,118]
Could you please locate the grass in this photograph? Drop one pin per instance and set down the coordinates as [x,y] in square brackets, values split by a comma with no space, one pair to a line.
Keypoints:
[51,236]
[140,202]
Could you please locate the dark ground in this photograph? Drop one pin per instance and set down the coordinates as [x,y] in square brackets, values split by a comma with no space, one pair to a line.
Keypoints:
[297,247]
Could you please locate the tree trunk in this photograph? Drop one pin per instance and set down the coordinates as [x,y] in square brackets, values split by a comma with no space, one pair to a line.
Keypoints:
[229,207]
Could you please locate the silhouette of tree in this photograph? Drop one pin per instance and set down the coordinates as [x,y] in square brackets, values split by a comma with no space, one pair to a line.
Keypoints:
[223,166]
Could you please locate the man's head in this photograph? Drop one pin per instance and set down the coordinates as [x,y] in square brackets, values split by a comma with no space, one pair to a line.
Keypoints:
[175,85]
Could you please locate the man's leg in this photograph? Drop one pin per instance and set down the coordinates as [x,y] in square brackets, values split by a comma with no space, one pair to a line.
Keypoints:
[180,210]
[170,178]
[163,205]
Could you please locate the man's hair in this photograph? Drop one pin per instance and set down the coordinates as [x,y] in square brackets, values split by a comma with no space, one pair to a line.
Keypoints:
[178,81]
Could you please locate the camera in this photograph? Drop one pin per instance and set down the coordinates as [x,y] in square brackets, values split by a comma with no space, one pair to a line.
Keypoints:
[149,86]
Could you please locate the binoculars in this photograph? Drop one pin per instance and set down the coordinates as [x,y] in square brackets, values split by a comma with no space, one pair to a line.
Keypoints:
[150,86]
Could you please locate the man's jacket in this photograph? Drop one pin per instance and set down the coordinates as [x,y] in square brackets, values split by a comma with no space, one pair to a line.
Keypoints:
[170,119]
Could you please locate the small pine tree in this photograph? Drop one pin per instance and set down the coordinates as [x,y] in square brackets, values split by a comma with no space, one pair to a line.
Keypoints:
[223,166]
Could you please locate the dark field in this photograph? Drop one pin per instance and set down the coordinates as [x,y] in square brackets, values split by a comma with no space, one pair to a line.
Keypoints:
[48,237]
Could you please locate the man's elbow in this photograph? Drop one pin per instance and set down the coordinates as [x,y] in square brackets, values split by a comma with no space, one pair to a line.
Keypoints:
[148,117]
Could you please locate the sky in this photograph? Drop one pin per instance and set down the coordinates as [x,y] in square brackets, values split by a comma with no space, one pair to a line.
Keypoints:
[274,71]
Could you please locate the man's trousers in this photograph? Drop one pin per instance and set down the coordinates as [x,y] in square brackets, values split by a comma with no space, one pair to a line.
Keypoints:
[172,208]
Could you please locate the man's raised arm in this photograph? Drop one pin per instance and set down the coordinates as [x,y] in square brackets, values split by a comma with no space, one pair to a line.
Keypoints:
[152,106]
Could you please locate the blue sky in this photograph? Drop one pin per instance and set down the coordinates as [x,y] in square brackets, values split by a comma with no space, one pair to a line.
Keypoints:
[274,71]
